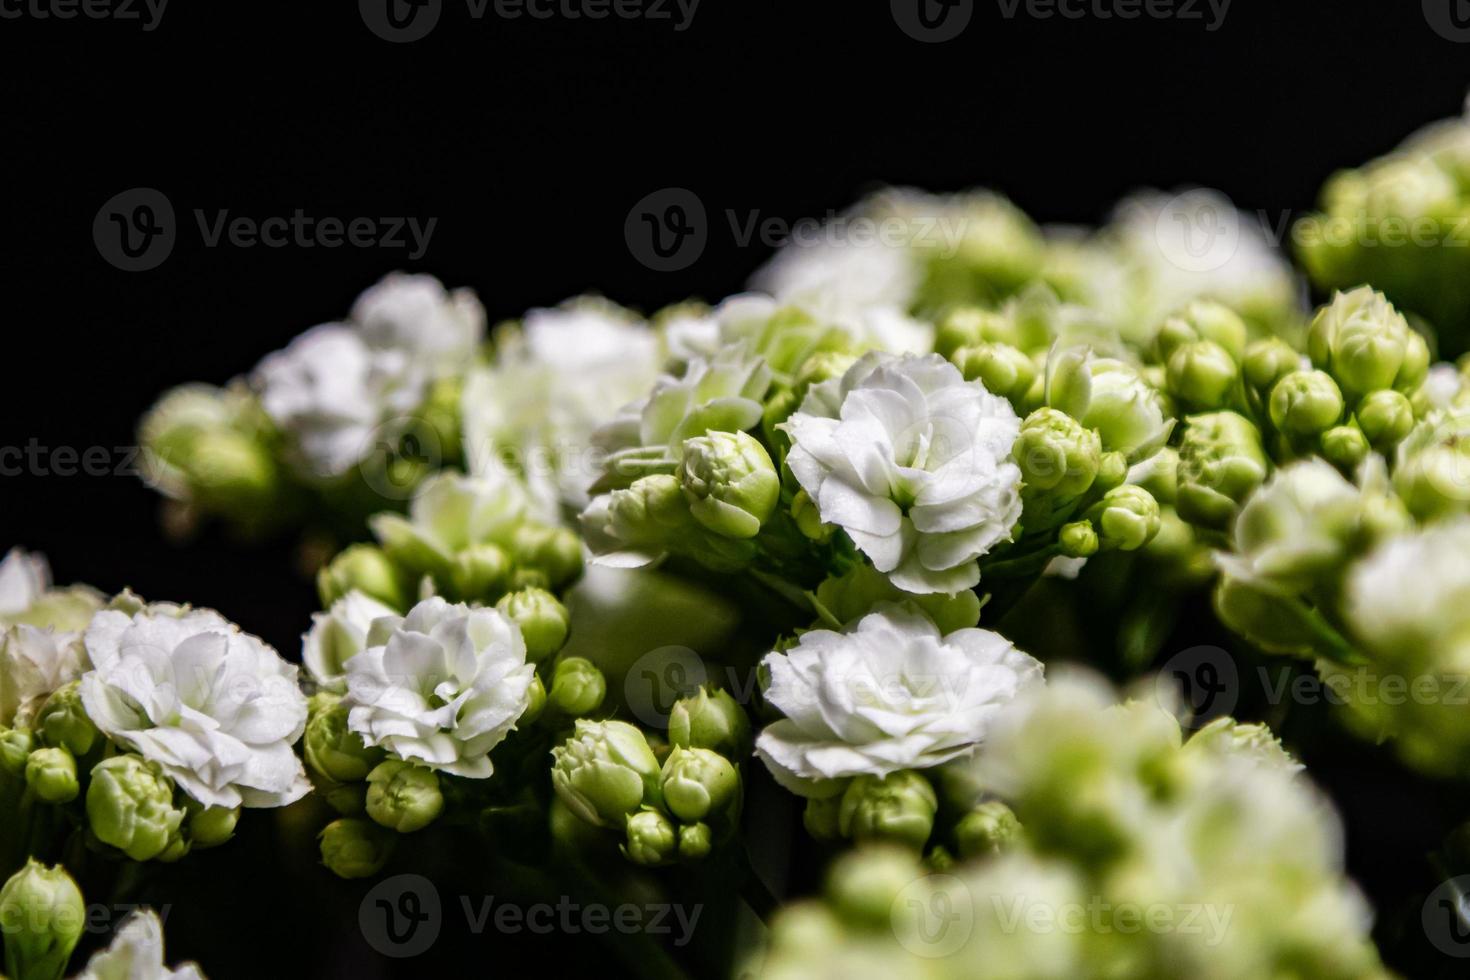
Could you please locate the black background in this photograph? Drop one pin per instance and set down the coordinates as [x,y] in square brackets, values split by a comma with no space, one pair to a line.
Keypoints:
[529,141]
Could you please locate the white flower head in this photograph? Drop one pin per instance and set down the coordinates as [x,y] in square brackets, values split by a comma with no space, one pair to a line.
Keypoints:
[451,511]
[887,695]
[24,578]
[330,392]
[441,686]
[415,314]
[914,463]
[338,635]
[33,663]
[217,708]
[566,371]
[136,953]
[1409,599]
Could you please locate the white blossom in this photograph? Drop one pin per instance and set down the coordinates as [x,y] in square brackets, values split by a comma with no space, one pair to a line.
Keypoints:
[136,953]
[35,662]
[217,708]
[441,686]
[24,578]
[889,694]
[414,314]
[914,463]
[338,635]
[329,392]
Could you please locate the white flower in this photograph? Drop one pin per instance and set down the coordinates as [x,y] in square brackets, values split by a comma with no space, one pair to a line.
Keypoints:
[34,663]
[414,314]
[836,277]
[338,635]
[913,462]
[451,512]
[890,694]
[440,687]
[1409,600]
[24,578]
[218,709]
[566,372]
[329,392]
[136,953]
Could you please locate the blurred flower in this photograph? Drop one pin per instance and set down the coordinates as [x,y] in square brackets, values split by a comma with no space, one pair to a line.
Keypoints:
[414,314]
[136,953]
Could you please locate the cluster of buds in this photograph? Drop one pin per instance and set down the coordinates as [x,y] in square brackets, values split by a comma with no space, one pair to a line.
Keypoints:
[670,801]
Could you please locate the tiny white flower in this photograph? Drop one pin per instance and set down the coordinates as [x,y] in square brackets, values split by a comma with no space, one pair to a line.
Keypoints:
[136,953]
[24,578]
[441,686]
[415,314]
[217,708]
[329,392]
[451,511]
[914,463]
[34,663]
[888,695]
[338,635]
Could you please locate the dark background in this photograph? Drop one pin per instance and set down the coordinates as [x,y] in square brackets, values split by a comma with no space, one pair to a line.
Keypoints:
[530,141]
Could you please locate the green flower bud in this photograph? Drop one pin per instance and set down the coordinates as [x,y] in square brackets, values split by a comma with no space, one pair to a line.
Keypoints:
[604,772]
[403,797]
[211,826]
[1078,540]
[696,840]
[1112,472]
[1003,370]
[1267,362]
[1057,454]
[367,569]
[970,326]
[710,719]
[1112,397]
[577,687]
[653,514]
[331,749]
[230,472]
[62,721]
[1209,321]
[554,551]
[898,807]
[848,597]
[1126,518]
[1202,374]
[130,806]
[990,828]
[16,745]
[355,848]
[1306,403]
[1159,475]
[52,775]
[42,916]
[808,521]
[1432,470]
[730,483]
[1220,462]
[863,884]
[821,818]
[652,839]
[481,571]
[698,782]
[822,366]
[537,701]
[1344,446]
[348,799]
[542,619]
[528,578]
[1385,417]
[1366,344]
